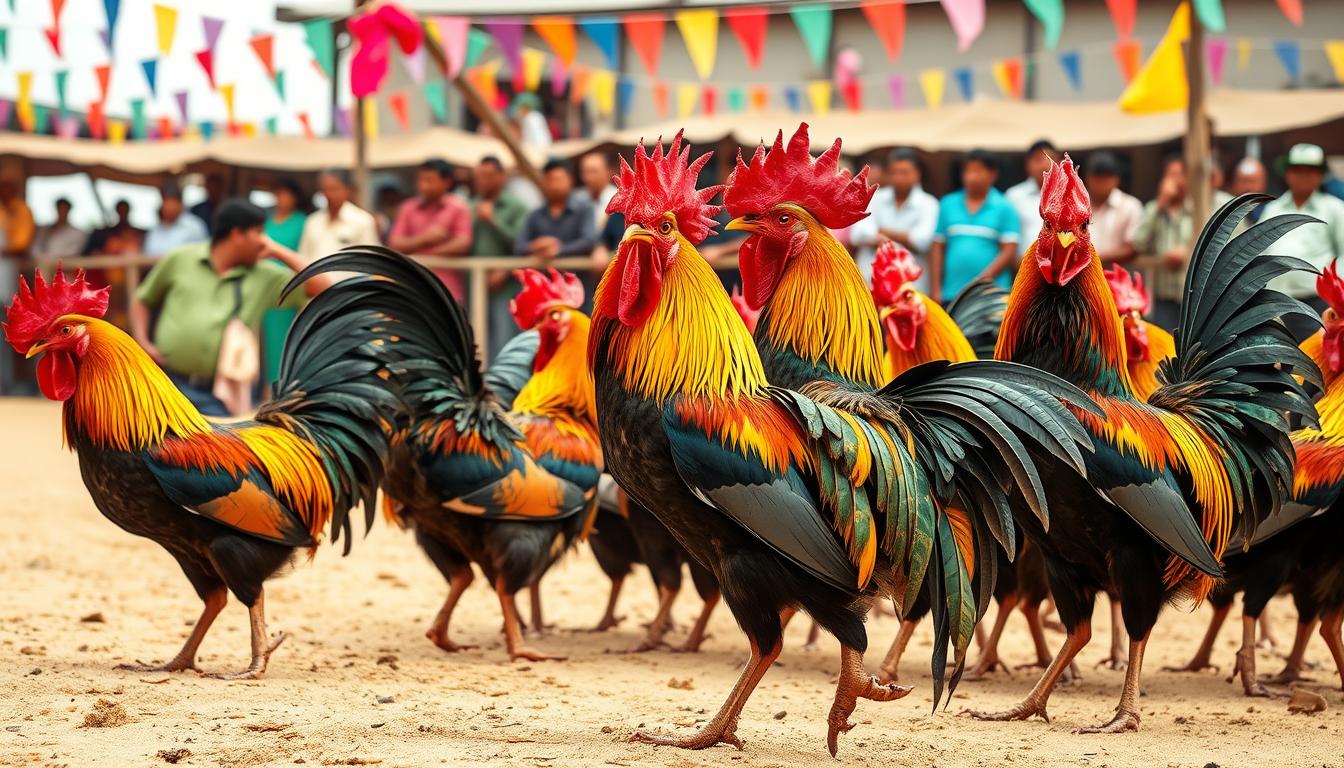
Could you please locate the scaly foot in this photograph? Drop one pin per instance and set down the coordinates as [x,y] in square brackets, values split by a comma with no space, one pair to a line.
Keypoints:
[984,666]
[607,622]
[1122,722]
[1115,662]
[257,669]
[177,664]
[701,740]
[528,654]
[1197,664]
[1290,674]
[847,698]
[1026,710]
[441,640]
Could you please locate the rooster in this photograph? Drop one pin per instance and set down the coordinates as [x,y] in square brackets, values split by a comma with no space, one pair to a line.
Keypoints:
[791,502]
[231,502]
[1172,474]
[1146,345]
[1299,547]
[507,490]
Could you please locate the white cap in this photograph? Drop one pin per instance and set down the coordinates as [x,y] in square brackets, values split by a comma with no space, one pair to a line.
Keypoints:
[1306,154]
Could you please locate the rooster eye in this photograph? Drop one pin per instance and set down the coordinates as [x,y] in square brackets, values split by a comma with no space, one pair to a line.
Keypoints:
[665,227]
[784,218]
[66,330]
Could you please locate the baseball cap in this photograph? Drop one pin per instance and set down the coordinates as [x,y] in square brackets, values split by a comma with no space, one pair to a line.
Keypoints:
[1309,155]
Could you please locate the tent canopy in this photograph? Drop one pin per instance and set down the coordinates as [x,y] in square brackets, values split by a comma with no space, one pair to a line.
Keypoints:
[995,125]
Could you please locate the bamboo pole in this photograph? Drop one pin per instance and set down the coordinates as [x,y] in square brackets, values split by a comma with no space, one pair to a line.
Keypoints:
[1198,162]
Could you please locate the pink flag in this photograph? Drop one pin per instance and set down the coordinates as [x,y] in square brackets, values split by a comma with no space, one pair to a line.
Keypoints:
[1215,53]
[896,86]
[453,37]
[967,18]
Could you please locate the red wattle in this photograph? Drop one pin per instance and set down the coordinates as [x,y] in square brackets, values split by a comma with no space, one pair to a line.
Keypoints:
[761,267]
[56,375]
[641,284]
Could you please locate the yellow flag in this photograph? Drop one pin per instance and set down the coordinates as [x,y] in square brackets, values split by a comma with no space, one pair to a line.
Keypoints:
[700,29]
[1243,54]
[687,95]
[932,82]
[819,93]
[486,80]
[371,119]
[250,129]
[602,85]
[27,117]
[1160,85]
[533,61]
[1002,79]
[116,131]
[165,18]
[1334,51]
[226,91]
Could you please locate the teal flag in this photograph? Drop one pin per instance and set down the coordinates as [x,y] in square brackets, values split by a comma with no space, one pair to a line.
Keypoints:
[736,99]
[435,96]
[139,129]
[477,42]
[814,24]
[318,34]
[61,77]
[1051,15]
[1210,13]
[280,83]
[272,125]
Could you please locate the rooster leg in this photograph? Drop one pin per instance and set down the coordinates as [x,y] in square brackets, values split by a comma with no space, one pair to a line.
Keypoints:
[1331,625]
[1292,666]
[1245,666]
[1127,713]
[891,665]
[609,618]
[1036,701]
[1267,637]
[1032,613]
[1117,658]
[989,652]
[723,728]
[1047,610]
[698,634]
[513,631]
[980,636]
[653,638]
[262,645]
[438,631]
[537,627]
[186,658]
[854,684]
[813,634]
[1201,660]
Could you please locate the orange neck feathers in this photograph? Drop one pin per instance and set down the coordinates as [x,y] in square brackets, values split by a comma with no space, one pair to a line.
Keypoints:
[563,389]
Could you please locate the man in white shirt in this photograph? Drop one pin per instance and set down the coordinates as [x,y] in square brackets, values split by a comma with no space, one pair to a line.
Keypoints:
[342,223]
[900,211]
[1318,244]
[60,238]
[177,226]
[1115,215]
[595,187]
[1026,195]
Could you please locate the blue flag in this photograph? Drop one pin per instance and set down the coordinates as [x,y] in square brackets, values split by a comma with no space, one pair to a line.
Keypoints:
[793,98]
[1072,63]
[151,67]
[965,82]
[1290,55]
[604,31]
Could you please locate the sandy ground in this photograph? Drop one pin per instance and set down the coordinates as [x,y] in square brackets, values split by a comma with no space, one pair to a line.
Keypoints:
[357,683]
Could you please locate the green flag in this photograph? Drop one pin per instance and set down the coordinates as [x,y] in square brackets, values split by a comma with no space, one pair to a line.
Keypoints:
[477,42]
[139,130]
[1210,13]
[736,99]
[318,34]
[435,95]
[814,24]
[61,77]
[1051,15]
[272,125]
[280,83]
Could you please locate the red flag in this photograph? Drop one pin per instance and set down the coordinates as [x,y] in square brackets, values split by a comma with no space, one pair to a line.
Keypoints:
[1012,69]
[97,125]
[710,94]
[660,98]
[1122,13]
[888,21]
[165,128]
[264,45]
[401,109]
[54,37]
[1129,55]
[307,126]
[104,75]
[56,7]
[1293,10]
[749,25]
[852,92]
[645,31]
[207,60]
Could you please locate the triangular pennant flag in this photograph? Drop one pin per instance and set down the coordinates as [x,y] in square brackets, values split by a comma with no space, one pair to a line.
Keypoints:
[436,97]
[4,43]
[317,33]
[709,99]
[1243,54]
[749,27]
[887,19]
[151,70]
[1129,57]
[103,73]
[645,31]
[1072,64]
[6,106]
[307,126]
[558,32]
[1290,56]
[559,79]
[207,61]
[54,38]
[1215,56]
[116,131]
[604,31]
[700,29]
[819,96]
[272,126]
[485,78]
[341,117]
[852,93]
[1051,15]
[687,95]
[1210,13]
[25,99]
[370,119]
[95,119]
[451,32]
[226,92]
[1334,51]
[760,97]
[139,128]
[106,36]
[165,128]
[1160,85]
[41,118]
[896,90]
[814,24]
[967,18]
[965,82]
[602,85]
[61,77]
[578,84]
[401,109]
[533,62]
[1292,9]
[113,9]
[1123,13]
[415,64]
[508,35]
[165,20]
[625,93]
[181,97]
[933,82]
[68,127]
[660,98]
[56,7]
[477,43]
[737,99]
[213,27]
[1008,76]
[793,98]
[264,47]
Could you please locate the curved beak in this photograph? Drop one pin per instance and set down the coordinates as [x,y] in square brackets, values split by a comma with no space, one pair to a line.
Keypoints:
[35,350]
[745,223]
[636,232]
[1065,239]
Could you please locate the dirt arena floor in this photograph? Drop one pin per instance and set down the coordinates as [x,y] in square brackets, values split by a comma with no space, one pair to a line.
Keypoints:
[357,684]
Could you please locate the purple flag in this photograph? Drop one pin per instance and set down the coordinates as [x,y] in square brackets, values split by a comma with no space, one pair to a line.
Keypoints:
[559,78]
[106,35]
[182,105]
[896,86]
[5,106]
[508,34]
[342,119]
[213,27]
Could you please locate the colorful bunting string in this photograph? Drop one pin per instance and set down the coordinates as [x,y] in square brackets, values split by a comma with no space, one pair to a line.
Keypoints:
[888,21]
[700,29]
[604,31]
[749,27]
[814,24]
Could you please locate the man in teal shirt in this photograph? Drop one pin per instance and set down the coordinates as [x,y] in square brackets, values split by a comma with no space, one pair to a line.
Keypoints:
[977,232]
[196,289]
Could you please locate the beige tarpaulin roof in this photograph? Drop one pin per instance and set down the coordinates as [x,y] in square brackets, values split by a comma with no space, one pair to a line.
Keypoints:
[999,125]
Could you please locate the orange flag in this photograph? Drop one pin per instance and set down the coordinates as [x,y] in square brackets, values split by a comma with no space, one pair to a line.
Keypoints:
[1129,55]
[401,109]
[558,32]
[104,75]
[645,31]
[660,98]
[307,126]
[264,45]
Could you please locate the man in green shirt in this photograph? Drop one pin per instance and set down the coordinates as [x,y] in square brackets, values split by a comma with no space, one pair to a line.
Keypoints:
[196,289]
[496,217]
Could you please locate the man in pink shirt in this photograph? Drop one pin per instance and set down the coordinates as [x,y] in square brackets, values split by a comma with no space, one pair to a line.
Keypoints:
[435,223]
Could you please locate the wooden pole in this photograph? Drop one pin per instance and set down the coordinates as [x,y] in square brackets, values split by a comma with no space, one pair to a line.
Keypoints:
[363,194]
[1198,165]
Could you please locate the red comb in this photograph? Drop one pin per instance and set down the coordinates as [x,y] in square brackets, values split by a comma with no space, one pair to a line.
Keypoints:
[659,183]
[749,316]
[1064,201]
[1128,290]
[33,311]
[788,174]
[540,292]
[893,267]
[1330,286]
